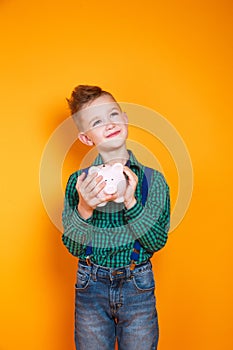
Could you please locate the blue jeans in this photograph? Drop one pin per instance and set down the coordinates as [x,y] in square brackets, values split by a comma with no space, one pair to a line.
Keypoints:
[115,303]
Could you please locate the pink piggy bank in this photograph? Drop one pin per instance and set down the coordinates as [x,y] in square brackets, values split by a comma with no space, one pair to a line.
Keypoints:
[115,181]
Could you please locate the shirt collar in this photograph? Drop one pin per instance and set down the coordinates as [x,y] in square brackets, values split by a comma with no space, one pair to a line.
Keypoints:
[131,162]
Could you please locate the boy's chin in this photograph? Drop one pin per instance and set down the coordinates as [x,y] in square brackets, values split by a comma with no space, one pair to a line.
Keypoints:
[113,143]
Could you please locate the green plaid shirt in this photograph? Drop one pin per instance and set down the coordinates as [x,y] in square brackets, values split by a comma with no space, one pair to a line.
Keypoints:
[112,229]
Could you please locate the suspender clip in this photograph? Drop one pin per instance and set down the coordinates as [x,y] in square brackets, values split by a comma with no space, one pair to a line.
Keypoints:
[88,260]
[132,265]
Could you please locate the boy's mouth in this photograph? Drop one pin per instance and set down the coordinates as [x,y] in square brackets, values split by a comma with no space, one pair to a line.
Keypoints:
[114,134]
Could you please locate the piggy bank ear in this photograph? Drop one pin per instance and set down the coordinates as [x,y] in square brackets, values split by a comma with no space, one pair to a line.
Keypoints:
[118,167]
[93,169]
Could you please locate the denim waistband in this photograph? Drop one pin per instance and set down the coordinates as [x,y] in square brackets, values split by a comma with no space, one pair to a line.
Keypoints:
[115,273]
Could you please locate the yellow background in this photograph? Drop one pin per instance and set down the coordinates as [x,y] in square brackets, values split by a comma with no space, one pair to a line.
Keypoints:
[172,56]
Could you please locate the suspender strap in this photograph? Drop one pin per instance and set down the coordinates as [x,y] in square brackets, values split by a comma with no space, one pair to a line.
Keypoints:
[88,254]
[134,257]
[146,183]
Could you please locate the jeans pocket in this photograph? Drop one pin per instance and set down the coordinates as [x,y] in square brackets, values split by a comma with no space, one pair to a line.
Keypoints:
[144,281]
[82,279]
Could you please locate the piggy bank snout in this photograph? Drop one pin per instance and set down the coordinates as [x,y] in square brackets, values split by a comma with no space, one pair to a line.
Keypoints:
[110,187]
[110,190]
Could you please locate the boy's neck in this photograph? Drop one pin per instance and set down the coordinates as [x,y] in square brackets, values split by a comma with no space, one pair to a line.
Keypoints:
[116,156]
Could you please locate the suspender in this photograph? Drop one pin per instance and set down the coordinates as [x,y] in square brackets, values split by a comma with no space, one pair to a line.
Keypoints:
[134,257]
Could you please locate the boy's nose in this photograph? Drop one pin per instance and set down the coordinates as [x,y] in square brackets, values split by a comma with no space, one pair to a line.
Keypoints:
[109,124]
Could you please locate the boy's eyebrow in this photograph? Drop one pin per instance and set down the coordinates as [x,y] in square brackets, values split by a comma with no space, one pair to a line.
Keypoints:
[96,117]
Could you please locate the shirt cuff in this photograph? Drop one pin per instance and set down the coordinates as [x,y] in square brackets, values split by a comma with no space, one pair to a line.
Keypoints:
[134,212]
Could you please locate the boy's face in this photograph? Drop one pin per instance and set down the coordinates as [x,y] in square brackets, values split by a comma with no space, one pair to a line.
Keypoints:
[103,124]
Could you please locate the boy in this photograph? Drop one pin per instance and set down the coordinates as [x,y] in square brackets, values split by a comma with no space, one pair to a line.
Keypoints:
[114,288]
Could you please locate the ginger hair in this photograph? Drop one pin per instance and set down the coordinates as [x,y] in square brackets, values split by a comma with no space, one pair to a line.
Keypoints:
[84,94]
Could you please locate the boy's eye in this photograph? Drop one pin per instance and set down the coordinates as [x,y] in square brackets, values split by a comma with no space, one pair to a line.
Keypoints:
[96,123]
[114,114]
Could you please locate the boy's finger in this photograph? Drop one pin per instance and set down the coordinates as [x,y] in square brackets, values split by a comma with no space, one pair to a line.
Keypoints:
[131,175]
[93,182]
[88,179]
[80,179]
[82,176]
[127,170]
[108,198]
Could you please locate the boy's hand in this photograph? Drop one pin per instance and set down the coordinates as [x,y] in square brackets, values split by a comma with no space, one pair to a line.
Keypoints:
[88,188]
[130,199]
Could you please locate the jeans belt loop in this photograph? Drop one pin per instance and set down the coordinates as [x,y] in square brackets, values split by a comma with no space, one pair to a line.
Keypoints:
[94,270]
[128,272]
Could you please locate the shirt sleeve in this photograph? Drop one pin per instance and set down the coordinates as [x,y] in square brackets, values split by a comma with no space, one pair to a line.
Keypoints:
[150,224]
[76,234]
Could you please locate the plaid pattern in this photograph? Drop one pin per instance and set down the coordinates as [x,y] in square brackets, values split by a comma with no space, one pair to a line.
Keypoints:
[112,229]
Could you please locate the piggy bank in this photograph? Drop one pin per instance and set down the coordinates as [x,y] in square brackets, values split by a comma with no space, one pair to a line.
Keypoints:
[115,181]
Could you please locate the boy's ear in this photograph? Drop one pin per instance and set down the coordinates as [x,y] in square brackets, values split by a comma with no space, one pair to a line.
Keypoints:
[85,139]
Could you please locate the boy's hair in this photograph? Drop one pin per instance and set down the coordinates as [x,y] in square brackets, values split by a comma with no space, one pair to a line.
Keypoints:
[82,94]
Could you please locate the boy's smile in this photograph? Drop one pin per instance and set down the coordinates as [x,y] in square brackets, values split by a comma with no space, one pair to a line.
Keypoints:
[115,133]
